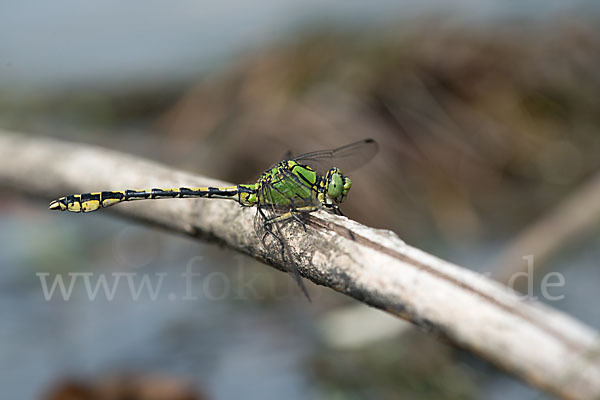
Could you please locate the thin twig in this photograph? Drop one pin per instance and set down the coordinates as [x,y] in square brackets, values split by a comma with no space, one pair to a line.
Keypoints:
[573,218]
[543,346]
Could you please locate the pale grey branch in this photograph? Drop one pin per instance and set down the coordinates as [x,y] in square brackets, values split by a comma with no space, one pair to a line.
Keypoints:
[545,347]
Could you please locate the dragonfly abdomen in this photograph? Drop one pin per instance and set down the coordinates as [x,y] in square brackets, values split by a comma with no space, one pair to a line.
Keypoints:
[88,202]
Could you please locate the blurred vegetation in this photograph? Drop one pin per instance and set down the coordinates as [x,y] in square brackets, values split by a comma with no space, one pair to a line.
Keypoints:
[481,129]
[420,367]
[123,386]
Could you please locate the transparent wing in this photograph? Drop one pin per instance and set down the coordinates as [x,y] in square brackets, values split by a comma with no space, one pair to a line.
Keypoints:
[299,192]
[270,233]
[268,208]
[290,187]
[347,158]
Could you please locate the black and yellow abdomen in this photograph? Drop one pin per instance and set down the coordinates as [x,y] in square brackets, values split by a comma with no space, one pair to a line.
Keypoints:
[88,202]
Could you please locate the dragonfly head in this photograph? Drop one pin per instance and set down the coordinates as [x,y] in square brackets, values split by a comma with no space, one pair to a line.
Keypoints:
[338,185]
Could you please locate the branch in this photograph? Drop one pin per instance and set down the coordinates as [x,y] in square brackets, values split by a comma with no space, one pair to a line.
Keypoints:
[575,217]
[543,346]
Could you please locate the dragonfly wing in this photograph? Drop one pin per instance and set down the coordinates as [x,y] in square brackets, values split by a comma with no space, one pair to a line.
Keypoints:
[300,193]
[286,192]
[347,158]
[270,233]
[282,194]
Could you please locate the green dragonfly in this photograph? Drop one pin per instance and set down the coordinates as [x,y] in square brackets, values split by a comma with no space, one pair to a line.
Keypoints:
[285,192]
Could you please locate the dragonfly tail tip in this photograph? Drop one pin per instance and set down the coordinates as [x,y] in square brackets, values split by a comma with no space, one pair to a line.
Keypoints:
[55,205]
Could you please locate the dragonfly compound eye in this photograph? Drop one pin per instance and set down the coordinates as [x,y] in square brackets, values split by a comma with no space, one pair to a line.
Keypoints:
[335,183]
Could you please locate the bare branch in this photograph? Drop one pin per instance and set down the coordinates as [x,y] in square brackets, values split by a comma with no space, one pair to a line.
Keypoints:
[542,346]
[573,218]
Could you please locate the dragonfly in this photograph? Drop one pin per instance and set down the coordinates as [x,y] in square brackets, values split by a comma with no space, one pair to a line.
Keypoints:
[285,192]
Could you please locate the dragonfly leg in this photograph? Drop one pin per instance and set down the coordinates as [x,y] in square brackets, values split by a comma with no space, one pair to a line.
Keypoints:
[268,226]
[296,215]
[293,214]
[337,210]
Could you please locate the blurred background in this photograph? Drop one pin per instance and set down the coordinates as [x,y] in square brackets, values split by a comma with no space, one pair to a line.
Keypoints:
[487,114]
